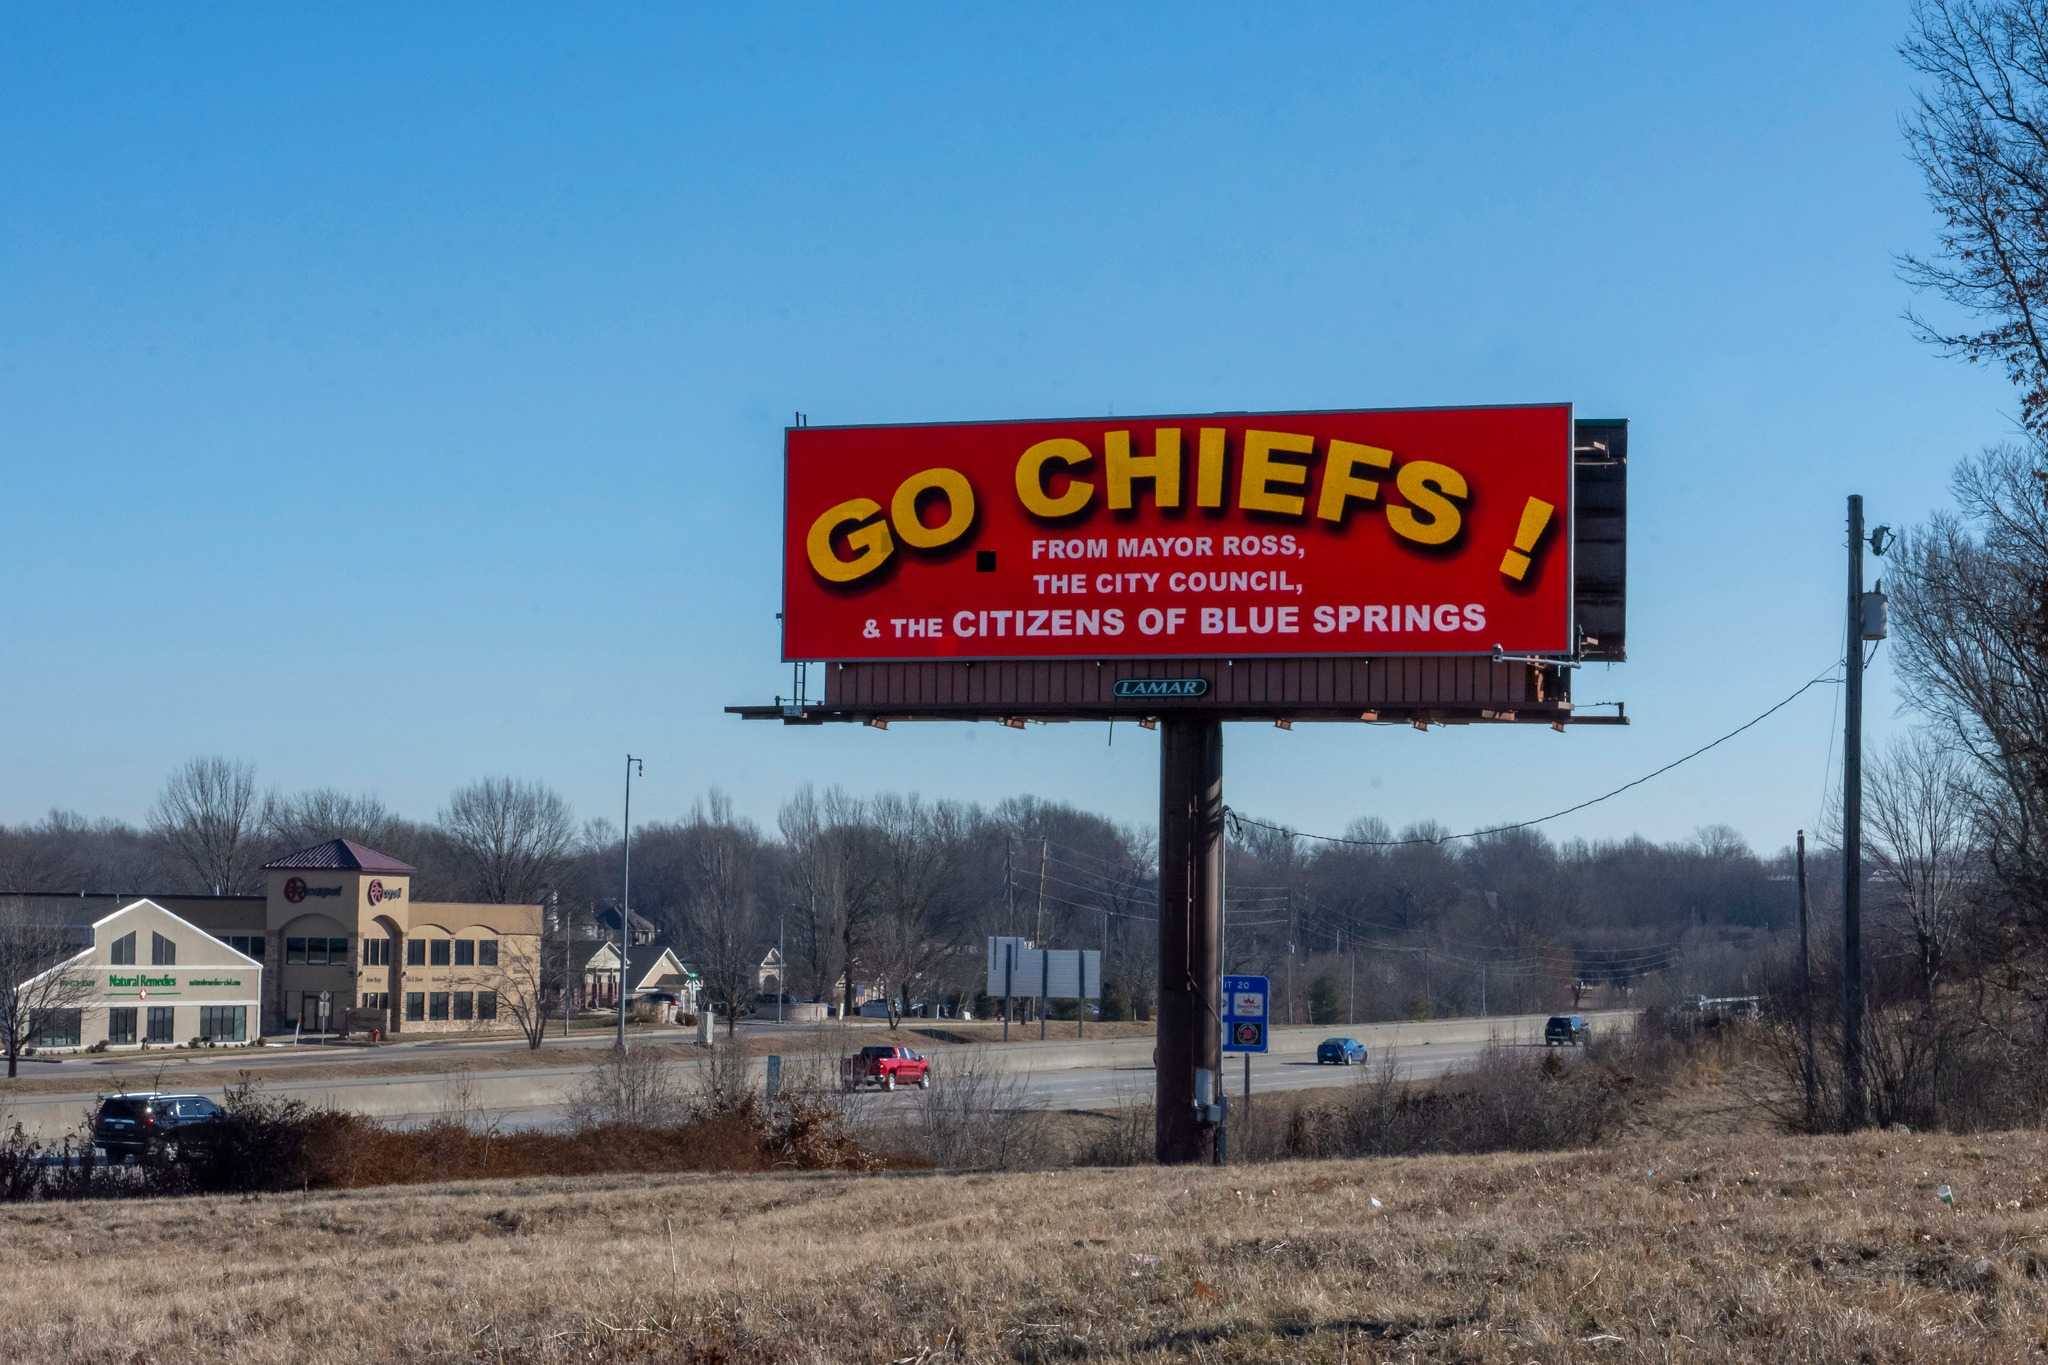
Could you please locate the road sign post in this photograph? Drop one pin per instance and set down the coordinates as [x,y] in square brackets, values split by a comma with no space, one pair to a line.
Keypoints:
[1247,1014]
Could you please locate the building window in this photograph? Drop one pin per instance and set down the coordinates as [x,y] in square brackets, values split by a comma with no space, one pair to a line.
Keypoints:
[295,950]
[54,1028]
[251,944]
[465,1005]
[162,951]
[437,1005]
[224,1023]
[376,952]
[376,1000]
[486,1004]
[487,952]
[415,1006]
[465,952]
[337,951]
[415,952]
[160,1023]
[123,952]
[440,953]
[121,1026]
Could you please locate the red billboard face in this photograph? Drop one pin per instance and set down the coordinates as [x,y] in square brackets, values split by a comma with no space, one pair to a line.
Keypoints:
[1422,531]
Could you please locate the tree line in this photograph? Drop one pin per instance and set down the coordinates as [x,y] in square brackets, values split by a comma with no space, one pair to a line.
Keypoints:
[897,894]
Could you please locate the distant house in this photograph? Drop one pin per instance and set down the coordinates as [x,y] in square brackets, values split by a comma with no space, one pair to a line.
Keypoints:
[607,922]
[770,976]
[653,966]
[658,965]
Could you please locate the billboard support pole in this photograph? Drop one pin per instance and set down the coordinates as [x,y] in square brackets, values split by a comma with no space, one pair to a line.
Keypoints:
[1190,922]
[1044,986]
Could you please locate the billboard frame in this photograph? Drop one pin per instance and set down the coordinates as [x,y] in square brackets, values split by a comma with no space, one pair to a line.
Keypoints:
[1568,529]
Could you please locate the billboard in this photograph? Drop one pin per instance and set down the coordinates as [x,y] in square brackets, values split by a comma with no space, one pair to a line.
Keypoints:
[1425,531]
[1017,969]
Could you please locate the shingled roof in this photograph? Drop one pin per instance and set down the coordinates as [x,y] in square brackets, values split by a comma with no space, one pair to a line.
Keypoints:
[340,855]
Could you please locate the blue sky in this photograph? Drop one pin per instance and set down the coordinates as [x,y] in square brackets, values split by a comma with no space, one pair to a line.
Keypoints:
[395,397]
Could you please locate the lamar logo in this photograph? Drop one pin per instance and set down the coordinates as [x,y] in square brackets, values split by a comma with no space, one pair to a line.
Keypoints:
[296,890]
[378,895]
[1162,687]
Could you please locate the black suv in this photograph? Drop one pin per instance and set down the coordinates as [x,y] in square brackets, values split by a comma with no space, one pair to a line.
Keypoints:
[1569,1029]
[137,1124]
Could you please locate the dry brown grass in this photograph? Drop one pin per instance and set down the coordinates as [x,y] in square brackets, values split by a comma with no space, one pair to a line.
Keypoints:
[1715,1250]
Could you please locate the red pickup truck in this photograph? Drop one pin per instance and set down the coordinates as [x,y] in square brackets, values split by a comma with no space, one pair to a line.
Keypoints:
[887,1067]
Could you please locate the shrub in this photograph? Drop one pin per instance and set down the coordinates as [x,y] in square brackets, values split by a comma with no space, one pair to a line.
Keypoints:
[1130,1140]
[638,1087]
[1505,1101]
[978,1117]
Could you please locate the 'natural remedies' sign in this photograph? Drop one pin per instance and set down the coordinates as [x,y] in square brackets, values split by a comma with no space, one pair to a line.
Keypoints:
[1419,531]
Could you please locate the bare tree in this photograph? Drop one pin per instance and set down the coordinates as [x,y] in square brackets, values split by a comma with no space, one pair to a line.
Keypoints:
[294,822]
[528,976]
[1979,134]
[916,930]
[1969,594]
[38,977]
[513,837]
[1919,827]
[724,918]
[833,876]
[206,814]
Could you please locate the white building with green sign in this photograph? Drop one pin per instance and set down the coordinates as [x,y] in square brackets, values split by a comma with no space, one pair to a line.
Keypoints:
[142,977]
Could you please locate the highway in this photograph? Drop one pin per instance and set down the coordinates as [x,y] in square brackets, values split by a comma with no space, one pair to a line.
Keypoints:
[1055,1074]
[1112,1086]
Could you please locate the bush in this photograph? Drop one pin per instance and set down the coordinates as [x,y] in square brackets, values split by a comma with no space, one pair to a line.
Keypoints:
[1506,1101]
[639,1087]
[1130,1140]
[977,1117]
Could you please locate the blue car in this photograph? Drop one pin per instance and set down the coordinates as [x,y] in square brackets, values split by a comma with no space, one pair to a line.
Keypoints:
[1340,1051]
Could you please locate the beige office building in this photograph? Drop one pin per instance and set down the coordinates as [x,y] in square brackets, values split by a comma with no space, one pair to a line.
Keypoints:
[341,943]
[147,977]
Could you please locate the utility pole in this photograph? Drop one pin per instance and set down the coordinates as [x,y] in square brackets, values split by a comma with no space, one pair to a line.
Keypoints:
[562,928]
[1293,932]
[626,898]
[1806,991]
[781,969]
[1352,960]
[1038,925]
[1852,832]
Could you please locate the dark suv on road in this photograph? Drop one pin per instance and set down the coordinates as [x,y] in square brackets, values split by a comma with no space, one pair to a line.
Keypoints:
[1566,1029]
[135,1125]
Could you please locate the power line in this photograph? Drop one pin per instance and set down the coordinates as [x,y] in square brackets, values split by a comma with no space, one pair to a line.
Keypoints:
[1801,690]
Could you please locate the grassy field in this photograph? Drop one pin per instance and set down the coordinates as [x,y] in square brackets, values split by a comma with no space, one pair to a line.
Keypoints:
[1718,1249]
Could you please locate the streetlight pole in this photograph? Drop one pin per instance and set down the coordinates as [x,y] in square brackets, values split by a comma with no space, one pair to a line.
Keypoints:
[626,897]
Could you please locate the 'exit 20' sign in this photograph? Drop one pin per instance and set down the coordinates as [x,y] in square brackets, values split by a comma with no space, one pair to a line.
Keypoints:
[1246,1013]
